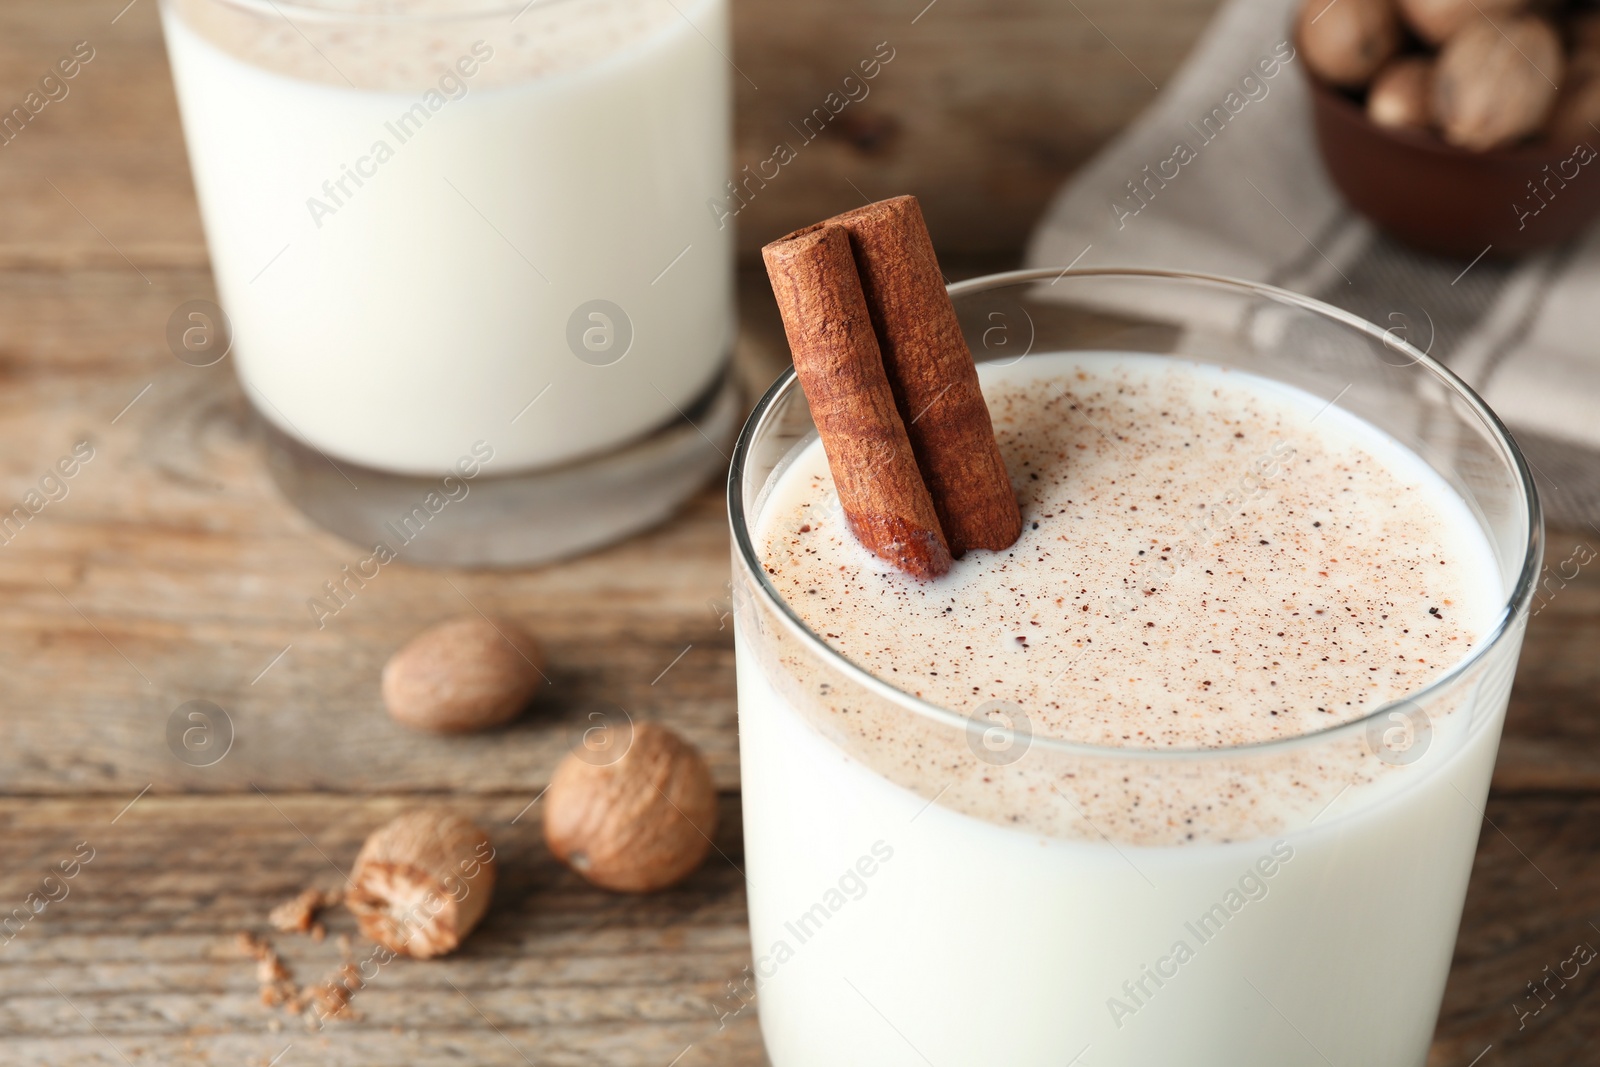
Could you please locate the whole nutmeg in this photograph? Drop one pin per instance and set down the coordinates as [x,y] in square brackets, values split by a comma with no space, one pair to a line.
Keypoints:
[1345,42]
[466,673]
[1401,96]
[1436,21]
[639,823]
[1495,82]
[422,882]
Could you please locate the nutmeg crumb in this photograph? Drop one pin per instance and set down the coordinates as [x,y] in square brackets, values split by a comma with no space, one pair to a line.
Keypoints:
[330,998]
[298,914]
[276,984]
[251,945]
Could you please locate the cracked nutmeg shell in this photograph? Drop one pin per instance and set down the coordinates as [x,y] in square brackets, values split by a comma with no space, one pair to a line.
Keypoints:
[422,882]
[463,674]
[638,824]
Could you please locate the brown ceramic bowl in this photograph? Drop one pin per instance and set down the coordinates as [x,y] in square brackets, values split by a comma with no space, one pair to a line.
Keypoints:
[1445,199]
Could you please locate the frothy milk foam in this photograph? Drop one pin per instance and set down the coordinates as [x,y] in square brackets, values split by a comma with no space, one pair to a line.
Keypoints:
[405,215]
[1208,559]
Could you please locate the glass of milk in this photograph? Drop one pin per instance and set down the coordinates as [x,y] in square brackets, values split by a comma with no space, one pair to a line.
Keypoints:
[976,879]
[475,290]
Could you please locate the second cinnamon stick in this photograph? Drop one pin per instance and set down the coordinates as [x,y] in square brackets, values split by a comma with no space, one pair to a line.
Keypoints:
[931,371]
[841,370]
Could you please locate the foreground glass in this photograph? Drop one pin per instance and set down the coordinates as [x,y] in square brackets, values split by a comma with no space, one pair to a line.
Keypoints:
[456,234]
[891,924]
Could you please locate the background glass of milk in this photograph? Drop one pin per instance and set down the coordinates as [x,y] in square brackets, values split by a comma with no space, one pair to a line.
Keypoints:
[460,235]
[895,922]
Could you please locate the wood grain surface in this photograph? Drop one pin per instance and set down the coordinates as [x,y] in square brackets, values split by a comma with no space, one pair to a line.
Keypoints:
[172,571]
[139,962]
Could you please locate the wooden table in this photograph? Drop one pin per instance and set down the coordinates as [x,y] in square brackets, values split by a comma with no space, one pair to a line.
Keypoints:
[172,571]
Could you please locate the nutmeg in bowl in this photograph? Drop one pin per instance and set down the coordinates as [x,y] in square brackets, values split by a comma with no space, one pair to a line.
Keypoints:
[1463,127]
[1451,200]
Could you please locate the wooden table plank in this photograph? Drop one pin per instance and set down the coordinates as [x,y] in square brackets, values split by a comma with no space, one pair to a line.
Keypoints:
[1534,896]
[111,147]
[143,945]
[141,953]
[173,571]
[1552,737]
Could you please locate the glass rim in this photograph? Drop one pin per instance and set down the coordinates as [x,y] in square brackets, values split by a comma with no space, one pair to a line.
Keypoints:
[290,10]
[1520,596]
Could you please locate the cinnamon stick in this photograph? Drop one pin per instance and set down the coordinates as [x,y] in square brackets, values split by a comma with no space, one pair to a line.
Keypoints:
[931,371]
[841,370]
